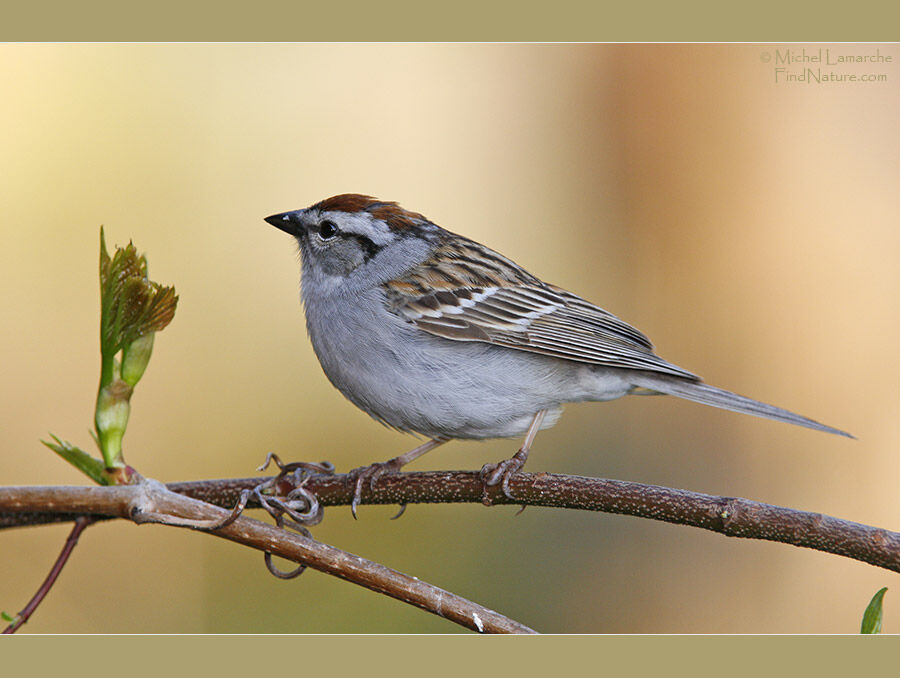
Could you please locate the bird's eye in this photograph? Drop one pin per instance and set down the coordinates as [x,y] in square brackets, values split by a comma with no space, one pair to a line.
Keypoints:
[327,230]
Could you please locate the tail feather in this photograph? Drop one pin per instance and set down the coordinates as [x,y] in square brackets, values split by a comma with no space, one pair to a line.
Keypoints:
[717,397]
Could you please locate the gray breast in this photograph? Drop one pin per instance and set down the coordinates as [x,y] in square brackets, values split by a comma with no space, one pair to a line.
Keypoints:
[413,381]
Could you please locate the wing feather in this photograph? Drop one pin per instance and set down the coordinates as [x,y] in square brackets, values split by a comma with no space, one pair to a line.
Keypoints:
[466,292]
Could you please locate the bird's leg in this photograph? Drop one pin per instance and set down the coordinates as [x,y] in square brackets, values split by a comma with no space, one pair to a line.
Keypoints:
[373,472]
[492,474]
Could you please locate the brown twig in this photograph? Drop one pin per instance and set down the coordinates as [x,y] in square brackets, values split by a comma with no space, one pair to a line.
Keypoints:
[152,502]
[80,524]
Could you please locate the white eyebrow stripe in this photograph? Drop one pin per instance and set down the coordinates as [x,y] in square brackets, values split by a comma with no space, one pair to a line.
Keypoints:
[362,224]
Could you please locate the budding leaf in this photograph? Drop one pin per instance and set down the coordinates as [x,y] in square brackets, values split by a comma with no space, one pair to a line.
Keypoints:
[131,305]
[91,467]
[135,357]
[871,621]
[132,309]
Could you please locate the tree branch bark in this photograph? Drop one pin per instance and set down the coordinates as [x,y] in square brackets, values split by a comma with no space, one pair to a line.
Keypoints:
[731,516]
[152,502]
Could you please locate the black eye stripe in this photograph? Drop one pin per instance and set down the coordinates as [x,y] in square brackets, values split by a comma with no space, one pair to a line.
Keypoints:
[328,230]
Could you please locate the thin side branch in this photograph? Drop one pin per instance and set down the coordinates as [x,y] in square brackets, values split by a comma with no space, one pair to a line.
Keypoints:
[80,524]
[152,502]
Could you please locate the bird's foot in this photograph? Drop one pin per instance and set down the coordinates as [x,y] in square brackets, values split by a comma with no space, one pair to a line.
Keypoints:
[369,474]
[501,472]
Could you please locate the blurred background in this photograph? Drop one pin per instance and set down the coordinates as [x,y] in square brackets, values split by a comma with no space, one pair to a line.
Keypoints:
[747,223]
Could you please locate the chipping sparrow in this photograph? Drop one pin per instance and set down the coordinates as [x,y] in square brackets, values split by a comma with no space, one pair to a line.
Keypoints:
[432,333]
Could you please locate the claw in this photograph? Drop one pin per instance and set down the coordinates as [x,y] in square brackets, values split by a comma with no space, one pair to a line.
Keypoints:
[500,473]
[369,473]
[374,471]
[491,474]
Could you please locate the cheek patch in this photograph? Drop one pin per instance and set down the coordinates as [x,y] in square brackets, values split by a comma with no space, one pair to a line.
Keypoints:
[368,248]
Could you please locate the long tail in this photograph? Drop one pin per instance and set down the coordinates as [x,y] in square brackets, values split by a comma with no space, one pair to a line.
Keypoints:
[717,397]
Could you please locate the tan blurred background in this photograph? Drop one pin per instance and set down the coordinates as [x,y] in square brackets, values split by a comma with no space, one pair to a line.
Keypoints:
[748,226]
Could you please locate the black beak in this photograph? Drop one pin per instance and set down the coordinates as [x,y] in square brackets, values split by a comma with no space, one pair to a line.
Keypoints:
[289,222]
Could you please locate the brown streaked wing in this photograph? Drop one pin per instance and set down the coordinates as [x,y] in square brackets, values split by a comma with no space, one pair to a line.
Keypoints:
[469,293]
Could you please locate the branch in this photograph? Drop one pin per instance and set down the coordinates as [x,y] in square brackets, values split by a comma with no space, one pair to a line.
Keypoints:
[151,502]
[61,560]
[733,517]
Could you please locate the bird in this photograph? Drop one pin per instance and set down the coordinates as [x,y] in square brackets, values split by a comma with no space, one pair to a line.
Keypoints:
[437,335]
